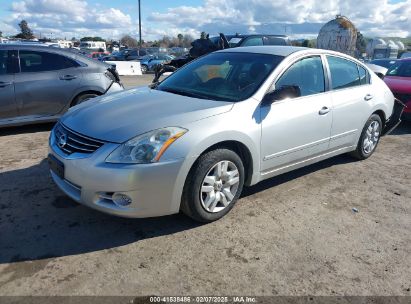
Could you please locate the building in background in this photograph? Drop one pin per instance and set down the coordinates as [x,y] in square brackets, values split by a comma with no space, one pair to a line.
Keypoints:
[379,48]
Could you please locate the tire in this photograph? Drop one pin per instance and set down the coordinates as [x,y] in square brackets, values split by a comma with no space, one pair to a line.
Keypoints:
[82,98]
[204,181]
[369,139]
[144,68]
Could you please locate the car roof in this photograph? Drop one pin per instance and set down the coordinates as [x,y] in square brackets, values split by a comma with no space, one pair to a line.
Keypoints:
[270,50]
[257,35]
[384,59]
[18,46]
[285,51]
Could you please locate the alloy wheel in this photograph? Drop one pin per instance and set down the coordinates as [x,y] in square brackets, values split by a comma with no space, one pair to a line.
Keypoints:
[371,137]
[219,186]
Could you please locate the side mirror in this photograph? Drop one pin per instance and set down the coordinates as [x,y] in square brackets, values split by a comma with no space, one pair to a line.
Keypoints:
[151,59]
[283,92]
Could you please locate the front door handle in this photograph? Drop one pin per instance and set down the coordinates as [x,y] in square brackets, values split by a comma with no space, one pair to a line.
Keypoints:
[368,97]
[324,110]
[68,77]
[5,84]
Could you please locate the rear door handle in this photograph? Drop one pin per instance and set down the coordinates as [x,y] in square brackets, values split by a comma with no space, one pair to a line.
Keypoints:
[5,84]
[68,77]
[324,110]
[368,97]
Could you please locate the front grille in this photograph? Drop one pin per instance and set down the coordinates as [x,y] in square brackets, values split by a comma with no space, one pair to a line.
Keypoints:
[71,142]
[403,97]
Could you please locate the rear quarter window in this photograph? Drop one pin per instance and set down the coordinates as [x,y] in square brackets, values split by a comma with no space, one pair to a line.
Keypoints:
[364,76]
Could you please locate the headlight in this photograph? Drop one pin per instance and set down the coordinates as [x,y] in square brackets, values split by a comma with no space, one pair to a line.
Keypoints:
[146,148]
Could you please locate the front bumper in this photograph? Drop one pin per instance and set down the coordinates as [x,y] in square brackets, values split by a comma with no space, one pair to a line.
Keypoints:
[89,180]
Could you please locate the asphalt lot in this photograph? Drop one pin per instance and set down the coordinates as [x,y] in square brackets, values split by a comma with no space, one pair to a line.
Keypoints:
[295,234]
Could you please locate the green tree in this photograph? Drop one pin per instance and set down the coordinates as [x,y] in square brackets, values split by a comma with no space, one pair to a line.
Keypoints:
[361,43]
[180,38]
[308,43]
[129,41]
[187,40]
[25,31]
[1,34]
[92,39]
[203,35]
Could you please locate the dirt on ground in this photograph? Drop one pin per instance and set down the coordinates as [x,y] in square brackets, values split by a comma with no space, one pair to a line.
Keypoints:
[296,234]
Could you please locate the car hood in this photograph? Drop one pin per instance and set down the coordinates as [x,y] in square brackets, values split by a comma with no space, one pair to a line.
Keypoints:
[398,84]
[124,115]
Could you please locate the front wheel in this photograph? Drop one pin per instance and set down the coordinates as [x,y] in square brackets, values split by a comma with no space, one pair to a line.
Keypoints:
[82,98]
[213,185]
[369,138]
[144,68]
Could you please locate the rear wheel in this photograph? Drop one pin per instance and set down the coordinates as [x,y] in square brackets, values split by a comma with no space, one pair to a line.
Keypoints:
[82,98]
[213,185]
[369,139]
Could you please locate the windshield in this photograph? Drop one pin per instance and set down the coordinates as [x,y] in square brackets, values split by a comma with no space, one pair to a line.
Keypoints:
[401,69]
[222,76]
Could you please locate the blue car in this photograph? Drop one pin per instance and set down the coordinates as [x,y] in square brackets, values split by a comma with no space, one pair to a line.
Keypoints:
[149,62]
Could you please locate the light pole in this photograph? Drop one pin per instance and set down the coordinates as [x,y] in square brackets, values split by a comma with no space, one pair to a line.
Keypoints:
[139,21]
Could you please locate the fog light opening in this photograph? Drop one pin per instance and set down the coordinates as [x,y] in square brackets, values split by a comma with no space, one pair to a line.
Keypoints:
[121,200]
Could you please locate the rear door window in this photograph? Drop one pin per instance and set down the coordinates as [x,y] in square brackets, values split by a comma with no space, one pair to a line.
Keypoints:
[344,73]
[32,61]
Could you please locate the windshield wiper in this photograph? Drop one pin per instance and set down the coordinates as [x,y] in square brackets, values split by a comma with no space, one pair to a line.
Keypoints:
[184,93]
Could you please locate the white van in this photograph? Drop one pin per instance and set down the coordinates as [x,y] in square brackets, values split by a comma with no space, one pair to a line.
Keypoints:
[93,45]
[65,44]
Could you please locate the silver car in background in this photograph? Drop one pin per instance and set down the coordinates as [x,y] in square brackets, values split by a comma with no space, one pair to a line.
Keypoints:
[228,119]
[39,83]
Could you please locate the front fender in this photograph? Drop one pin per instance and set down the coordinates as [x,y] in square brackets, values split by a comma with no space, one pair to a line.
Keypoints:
[208,132]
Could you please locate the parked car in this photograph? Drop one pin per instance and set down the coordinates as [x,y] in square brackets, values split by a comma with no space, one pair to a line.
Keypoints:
[228,119]
[39,84]
[206,45]
[149,62]
[97,55]
[386,62]
[398,79]
[126,55]
[253,40]
[93,45]
[406,55]
[377,69]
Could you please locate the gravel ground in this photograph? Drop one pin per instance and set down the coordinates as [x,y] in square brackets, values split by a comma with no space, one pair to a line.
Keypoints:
[295,234]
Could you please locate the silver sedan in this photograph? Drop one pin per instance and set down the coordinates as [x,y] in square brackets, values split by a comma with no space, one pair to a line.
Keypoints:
[227,120]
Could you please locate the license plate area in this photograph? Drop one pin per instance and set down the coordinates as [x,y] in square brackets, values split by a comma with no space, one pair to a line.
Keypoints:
[56,166]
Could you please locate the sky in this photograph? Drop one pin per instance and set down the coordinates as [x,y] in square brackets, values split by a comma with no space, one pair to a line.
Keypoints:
[113,18]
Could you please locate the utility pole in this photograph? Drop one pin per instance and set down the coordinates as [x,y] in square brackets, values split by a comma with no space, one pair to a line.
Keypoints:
[139,21]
